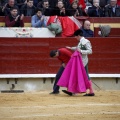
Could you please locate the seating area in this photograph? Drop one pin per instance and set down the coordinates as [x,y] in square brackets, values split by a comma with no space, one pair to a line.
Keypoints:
[95,22]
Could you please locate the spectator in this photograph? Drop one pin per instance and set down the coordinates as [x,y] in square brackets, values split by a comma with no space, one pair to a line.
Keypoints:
[14,19]
[46,10]
[112,10]
[60,10]
[38,19]
[95,10]
[75,10]
[64,55]
[87,32]
[8,6]
[28,9]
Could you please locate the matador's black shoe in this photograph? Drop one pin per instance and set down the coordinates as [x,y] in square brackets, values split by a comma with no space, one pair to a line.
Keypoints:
[89,94]
[55,93]
[67,92]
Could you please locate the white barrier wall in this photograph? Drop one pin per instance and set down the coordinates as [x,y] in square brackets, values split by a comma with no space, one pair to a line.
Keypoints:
[26,32]
[38,84]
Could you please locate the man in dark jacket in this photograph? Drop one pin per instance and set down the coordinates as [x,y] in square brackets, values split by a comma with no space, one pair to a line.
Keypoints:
[112,10]
[95,10]
[87,32]
[10,4]
[46,10]
[28,9]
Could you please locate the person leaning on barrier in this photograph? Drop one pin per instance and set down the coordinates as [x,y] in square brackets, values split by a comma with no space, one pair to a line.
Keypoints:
[14,19]
[38,19]
[87,32]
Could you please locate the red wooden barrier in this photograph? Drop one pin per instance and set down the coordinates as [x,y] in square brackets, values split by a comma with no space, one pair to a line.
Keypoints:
[115,32]
[31,55]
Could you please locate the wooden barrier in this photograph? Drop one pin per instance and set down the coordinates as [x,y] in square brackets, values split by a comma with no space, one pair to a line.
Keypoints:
[115,32]
[31,55]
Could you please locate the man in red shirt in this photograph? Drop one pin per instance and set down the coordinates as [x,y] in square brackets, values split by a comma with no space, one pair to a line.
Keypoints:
[64,55]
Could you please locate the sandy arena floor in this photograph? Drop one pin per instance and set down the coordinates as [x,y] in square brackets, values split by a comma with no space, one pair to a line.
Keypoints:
[42,106]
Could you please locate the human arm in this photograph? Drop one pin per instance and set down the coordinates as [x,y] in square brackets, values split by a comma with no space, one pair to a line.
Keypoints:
[71,48]
[21,21]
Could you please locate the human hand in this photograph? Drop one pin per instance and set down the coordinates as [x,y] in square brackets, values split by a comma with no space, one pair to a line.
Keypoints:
[97,5]
[80,6]
[79,50]
[21,17]
[63,64]
[42,18]
[16,19]
[77,13]
[68,47]
[62,10]
[3,8]
[25,2]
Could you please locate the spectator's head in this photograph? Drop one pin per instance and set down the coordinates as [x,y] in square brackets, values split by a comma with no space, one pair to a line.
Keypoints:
[45,4]
[11,3]
[54,53]
[78,34]
[60,4]
[39,12]
[74,5]
[29,3]
[96,3]
[113,2]
[86,24]
[14,11]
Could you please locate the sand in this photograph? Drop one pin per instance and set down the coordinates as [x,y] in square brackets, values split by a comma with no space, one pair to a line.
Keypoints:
[105,105]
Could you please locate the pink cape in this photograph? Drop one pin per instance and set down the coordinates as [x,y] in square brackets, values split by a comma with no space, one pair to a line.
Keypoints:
[74,77]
